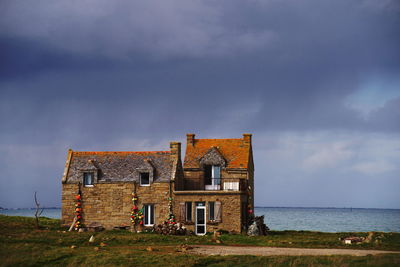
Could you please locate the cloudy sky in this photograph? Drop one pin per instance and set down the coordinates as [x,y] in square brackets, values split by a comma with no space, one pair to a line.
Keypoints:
[316,82]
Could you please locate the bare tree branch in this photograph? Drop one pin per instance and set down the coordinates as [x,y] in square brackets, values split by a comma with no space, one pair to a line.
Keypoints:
[38,211]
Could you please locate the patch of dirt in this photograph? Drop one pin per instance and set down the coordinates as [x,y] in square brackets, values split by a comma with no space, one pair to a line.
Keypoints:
[274,251]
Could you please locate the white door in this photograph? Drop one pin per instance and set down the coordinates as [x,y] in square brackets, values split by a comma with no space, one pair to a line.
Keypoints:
[200,220]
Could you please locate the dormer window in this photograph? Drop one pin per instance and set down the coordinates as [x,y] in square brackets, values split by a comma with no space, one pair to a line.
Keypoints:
[212,177]
[145,179]
[88,179]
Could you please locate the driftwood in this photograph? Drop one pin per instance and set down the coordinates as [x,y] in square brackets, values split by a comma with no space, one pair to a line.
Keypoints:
[72,225]
[38,212]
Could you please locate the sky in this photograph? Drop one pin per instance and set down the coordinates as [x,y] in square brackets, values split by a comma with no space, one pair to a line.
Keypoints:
[316,82]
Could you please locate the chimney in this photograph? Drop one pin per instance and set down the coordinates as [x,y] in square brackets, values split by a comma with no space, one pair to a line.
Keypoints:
[175,149]
[190,139]
[247,138]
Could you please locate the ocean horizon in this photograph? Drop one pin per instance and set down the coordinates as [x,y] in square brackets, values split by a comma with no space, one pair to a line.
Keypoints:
[329,219]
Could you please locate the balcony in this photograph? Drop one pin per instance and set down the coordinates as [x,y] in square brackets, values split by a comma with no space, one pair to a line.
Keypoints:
[218,184]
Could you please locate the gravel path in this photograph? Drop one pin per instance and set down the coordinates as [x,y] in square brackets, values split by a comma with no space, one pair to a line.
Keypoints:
[269,251]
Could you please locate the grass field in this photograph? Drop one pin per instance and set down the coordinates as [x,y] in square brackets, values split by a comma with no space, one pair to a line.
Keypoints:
[22,245]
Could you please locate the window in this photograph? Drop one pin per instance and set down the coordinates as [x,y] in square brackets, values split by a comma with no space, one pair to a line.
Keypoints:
[144,178]
[211,211]
[148,212]
[188,209]
[88,179]
[216,174]
[212,177]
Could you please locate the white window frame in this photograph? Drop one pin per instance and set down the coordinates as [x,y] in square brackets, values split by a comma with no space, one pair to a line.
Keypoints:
[148,209]
[214,185]
[92,180]
[213,174]
[140,179]
[205,219]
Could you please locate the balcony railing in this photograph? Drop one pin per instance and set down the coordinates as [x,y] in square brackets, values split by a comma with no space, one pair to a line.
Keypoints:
[218,184]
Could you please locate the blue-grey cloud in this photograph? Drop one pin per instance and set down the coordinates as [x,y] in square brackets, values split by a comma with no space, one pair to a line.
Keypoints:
[134,75]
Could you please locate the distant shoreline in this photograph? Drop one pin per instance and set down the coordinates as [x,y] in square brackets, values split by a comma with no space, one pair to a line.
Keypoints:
[50,208]
[257,207]
[272,207]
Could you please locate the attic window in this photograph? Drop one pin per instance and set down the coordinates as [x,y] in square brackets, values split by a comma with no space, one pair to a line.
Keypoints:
[88,179]
[144,178]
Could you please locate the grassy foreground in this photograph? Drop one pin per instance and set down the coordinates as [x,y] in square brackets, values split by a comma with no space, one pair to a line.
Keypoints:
[22,245]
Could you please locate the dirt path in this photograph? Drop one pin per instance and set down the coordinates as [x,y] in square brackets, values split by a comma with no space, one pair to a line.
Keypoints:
[269,251]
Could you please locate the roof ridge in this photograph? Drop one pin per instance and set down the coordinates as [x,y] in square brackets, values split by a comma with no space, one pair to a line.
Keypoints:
[120,152]
[219,139]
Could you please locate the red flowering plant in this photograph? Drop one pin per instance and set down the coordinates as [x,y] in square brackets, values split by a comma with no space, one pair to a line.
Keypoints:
[78,211]
[136,213]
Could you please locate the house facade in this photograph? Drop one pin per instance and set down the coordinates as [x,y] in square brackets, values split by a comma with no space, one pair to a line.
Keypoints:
[212,189]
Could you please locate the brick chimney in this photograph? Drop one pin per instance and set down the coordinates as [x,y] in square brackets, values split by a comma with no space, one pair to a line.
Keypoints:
[175,149]
[247,138]
[190,139]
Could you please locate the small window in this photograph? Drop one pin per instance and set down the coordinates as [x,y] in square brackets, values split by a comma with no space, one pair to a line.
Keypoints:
[148,212]
[211,211]
[88,179]
[212,175]
[144,178]
[188,208]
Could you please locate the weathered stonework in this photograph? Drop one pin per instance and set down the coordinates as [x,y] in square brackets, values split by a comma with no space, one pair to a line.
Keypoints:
[213,157]
[116,176]
[110,204]
[231,207]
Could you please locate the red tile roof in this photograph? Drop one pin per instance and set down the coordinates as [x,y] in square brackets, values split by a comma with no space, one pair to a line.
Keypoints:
[235,151]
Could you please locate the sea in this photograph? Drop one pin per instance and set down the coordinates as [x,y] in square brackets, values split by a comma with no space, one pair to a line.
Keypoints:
[307,219]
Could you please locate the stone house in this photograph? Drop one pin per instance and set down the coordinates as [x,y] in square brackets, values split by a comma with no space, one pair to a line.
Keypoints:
[213,188]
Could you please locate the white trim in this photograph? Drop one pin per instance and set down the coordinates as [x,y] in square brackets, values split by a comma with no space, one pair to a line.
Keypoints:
[85,174]
[140,179]
[148,207]
[205,219]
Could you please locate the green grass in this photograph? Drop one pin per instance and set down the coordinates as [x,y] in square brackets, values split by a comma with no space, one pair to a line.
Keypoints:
[22,245]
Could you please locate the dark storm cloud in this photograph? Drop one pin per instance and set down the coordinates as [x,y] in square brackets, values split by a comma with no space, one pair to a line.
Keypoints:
[108,74]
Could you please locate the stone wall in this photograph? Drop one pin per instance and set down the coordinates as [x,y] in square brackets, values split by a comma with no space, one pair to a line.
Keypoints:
[231,205]
[110,204]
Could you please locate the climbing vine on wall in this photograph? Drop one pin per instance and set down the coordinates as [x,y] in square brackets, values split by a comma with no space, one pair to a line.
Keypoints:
[78,210]
[136,213]
[171,216]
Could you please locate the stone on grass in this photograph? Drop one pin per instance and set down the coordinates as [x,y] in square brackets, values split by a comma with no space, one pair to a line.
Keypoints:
[253,230]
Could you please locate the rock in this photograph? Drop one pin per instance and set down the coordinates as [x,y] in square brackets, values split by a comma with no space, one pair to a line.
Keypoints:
[95,227]
[218,241]
[81,230]
[149,249]
[103,244]
[73,246]
[257,222]
[253,230]
[91,239]
[96,248]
